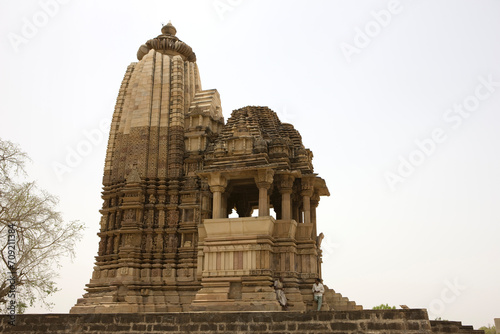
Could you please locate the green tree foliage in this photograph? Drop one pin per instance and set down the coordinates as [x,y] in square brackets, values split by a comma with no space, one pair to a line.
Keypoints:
[33,235]
[489,330]
[384,307]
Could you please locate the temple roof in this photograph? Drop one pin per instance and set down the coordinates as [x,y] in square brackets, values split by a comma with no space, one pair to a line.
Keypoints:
[280,141]
[167,43]
[261,122]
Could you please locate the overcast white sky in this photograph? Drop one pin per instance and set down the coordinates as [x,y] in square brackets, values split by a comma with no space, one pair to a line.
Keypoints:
[361,92]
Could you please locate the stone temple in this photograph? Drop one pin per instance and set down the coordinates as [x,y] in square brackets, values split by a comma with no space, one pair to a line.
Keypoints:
[174,172]
[171,258]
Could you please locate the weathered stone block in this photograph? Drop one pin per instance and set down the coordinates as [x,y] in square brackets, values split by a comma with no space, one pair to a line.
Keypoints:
[413,325]
[357,315]
[343,326]
[277,327]
[119,328]
[165,327]
[187,328]
[257,327]
[310,326]
[325,316]
[341,316]
[139,327]
[208,327]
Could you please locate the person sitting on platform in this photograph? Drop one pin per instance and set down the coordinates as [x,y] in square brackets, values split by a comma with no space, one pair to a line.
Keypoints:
[280,293]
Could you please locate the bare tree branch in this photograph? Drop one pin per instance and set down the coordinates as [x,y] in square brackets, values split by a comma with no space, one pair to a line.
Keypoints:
[42,237]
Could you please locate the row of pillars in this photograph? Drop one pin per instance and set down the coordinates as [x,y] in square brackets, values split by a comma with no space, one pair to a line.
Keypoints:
[264,180]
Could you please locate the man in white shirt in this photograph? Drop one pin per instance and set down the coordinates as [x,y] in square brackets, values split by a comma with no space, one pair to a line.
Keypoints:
[318,289]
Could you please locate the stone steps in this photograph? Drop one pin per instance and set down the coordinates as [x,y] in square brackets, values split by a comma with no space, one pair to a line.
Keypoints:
[338,302]
[444,327]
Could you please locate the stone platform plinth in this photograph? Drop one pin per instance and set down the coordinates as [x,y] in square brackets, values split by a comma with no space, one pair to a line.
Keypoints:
[349,322]
[237,270]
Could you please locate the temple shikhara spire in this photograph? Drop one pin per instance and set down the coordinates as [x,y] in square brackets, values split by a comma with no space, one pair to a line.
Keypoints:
[174,172]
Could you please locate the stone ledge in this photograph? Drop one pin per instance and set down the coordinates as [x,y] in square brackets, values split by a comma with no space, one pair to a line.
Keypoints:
[348,322]
[411,321]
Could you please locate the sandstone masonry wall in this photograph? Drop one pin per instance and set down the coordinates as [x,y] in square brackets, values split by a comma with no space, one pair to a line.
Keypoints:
[348,322]
[445,327]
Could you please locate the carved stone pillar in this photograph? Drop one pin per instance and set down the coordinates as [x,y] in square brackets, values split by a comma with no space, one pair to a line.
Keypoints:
[263,199]
[217,183]
[285,188]
[264,180]
[296,215]
[217,209]
[225,210]
[314,205]
[307,191]
[306,204]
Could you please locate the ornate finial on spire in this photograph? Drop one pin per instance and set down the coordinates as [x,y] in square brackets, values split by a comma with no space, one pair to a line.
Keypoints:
[167,43]
[168,29]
